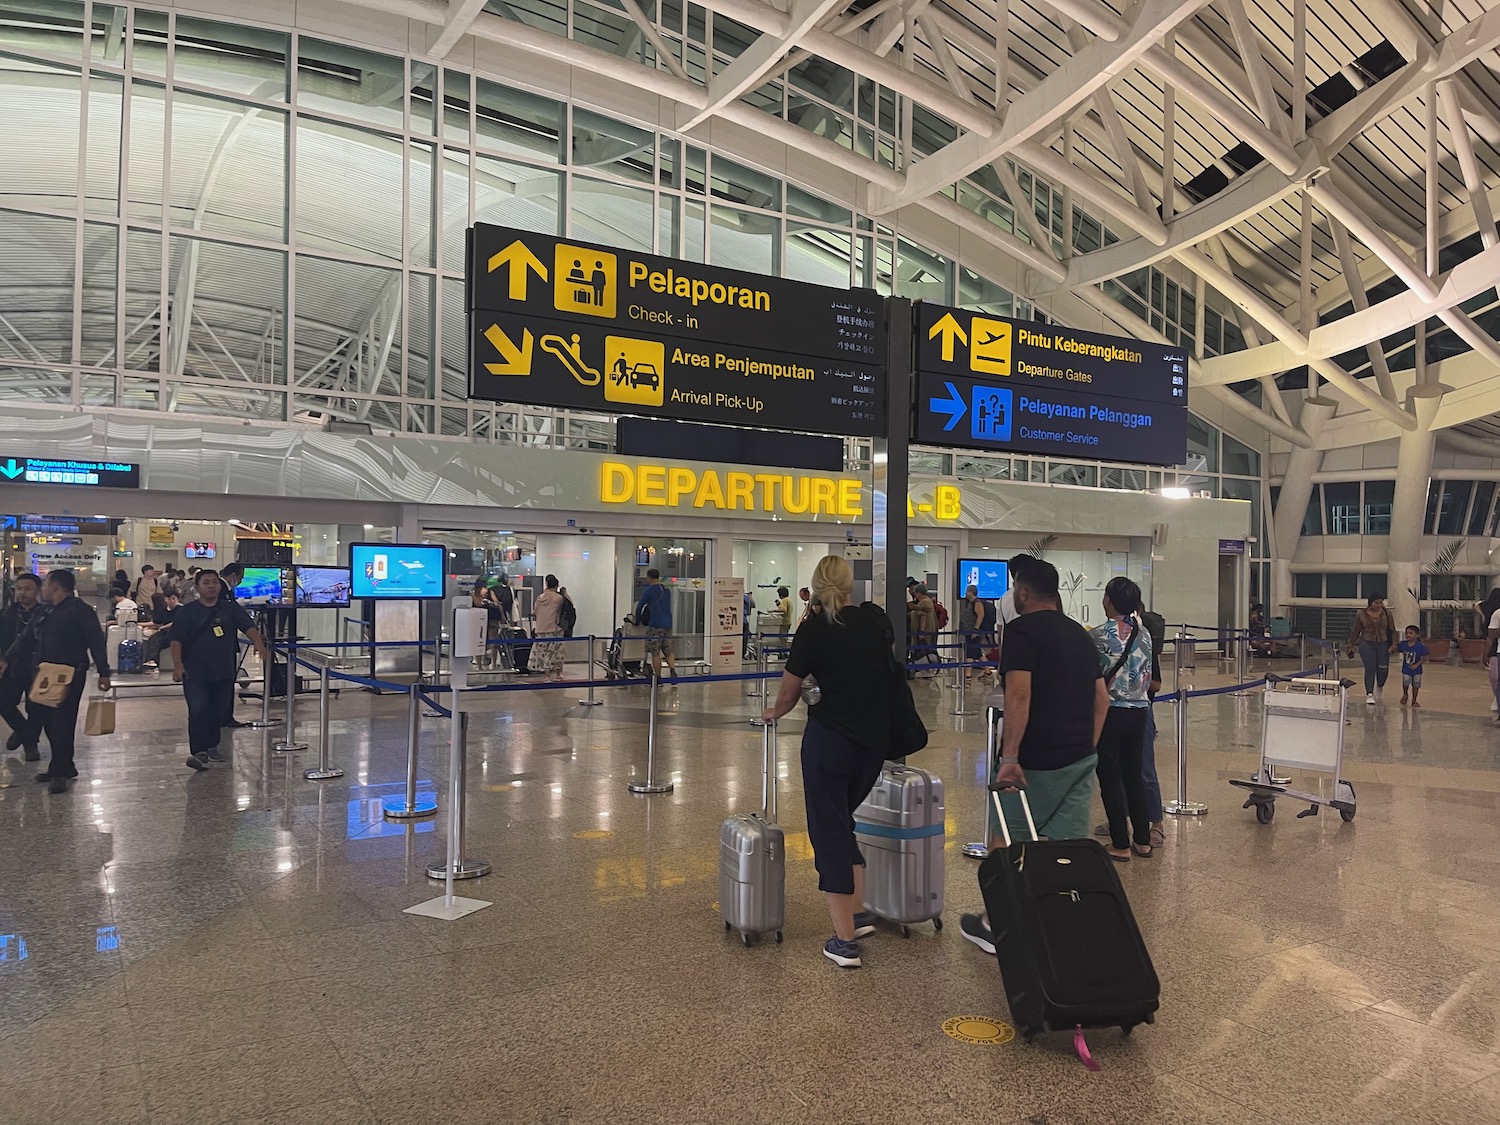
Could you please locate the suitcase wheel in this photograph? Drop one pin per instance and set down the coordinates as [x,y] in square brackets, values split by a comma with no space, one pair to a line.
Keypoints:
[1126,1028]
[937,923]
[747,940]
[1264,811]
[778,937]
[727,927]
[906,933]
[1347,815]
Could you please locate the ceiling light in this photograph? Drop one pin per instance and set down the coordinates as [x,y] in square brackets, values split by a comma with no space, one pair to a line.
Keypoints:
[1176,492]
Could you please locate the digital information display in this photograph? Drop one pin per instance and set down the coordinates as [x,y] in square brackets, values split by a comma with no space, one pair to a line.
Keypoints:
[397,571]
[45,470]
[984,382]
[264,585]
[557,323]
[992,576]
[325,586]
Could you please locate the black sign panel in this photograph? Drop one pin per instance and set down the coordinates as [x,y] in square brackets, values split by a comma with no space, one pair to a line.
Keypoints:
[985,382]
[90,474]
[561,323]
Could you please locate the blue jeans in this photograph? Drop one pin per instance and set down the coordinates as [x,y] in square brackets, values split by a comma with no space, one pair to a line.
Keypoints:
[1148,770]
[207,703]
[1376,657]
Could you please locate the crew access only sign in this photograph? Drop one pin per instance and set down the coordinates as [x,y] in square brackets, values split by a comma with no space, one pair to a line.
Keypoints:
[554,322]
[986,382]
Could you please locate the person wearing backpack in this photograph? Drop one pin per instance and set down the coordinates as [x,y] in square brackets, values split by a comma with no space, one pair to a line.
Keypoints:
[973,618]
[568,614]
[547,657]
[654,611]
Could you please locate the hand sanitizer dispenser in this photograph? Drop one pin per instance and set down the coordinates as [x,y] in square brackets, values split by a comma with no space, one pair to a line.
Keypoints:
[469,631]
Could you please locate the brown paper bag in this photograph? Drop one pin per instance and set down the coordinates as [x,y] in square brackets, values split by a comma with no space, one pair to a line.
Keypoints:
[100,718]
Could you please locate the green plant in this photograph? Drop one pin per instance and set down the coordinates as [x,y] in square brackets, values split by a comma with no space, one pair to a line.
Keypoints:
[1455,594]
[1040,547]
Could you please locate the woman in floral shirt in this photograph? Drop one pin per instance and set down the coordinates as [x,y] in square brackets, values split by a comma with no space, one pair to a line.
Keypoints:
[1125,659]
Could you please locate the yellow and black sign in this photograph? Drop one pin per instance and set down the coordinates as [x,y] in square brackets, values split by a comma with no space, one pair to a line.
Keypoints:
[560,323]
[978,1030]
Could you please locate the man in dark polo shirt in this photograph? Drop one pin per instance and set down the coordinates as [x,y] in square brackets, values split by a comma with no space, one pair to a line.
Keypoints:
[1055,704]
[205,660]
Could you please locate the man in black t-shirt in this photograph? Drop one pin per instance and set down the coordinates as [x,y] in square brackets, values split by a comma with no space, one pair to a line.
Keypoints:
[1055,704]
[205,660]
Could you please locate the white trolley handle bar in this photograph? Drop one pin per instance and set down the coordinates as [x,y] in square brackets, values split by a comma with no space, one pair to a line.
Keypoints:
[1272,678]
[995,791]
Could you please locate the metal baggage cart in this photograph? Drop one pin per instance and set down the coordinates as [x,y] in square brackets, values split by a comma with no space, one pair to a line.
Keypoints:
[1303,729]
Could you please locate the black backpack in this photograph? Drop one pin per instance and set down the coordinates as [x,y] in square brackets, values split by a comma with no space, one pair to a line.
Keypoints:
[567,617]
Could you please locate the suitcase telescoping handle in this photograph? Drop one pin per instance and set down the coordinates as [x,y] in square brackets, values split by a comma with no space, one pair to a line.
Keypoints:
[768,777]
[1001,787]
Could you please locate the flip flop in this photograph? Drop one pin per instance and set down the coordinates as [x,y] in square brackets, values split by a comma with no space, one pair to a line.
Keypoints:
[1142,850]
[1118,858]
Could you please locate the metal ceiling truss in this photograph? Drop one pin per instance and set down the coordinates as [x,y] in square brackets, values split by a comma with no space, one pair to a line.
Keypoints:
[1298,225]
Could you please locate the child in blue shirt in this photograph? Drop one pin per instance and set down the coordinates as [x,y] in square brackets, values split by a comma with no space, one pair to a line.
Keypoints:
[1413,657]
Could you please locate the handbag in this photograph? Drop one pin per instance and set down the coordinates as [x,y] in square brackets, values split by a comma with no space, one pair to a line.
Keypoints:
[101,717]
[908,733]
[49,687]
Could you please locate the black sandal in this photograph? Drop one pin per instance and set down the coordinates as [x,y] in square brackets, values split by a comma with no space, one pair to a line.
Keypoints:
[1142,850]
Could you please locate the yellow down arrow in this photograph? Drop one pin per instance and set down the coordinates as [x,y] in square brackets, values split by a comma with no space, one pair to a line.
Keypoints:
[519,258]
[517,360]
[948,328]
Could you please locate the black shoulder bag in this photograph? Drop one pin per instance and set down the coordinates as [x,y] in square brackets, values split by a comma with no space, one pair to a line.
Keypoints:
[908,733]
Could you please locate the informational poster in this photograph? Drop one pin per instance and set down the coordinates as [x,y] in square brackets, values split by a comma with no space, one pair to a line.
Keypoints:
[561,323]
[161,536]
[727,624]
[984,382]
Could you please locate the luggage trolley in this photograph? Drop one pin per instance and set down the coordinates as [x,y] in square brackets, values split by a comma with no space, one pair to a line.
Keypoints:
[1304,728]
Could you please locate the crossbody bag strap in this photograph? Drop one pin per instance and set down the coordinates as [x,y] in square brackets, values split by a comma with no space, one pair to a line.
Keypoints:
[1109,678]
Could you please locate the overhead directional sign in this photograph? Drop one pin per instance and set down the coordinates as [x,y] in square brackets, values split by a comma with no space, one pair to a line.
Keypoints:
[561,323]
[46,470]
[984,382]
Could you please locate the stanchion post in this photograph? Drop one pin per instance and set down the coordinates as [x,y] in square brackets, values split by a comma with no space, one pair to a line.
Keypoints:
[650,784]
[1182,806]
[1242,665]
[993,717]
[457,865]
[408,807]
[288,743]
[960,707]
[593,669]
[265,719]
[325,770]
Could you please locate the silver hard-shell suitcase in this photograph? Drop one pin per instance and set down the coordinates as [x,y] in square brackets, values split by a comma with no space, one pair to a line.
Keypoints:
[901,831]
[752,861]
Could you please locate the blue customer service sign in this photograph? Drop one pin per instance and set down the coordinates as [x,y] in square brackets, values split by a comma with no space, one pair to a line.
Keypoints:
[985,382]
[46,470]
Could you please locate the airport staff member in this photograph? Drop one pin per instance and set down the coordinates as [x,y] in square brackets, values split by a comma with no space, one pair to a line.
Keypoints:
[68,633]
[16,619]
[205,660]
[655,612]
[1055,705]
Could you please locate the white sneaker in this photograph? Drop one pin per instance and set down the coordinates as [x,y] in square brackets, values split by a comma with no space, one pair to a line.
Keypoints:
[1494,706]
[1370,700]
[1379,694]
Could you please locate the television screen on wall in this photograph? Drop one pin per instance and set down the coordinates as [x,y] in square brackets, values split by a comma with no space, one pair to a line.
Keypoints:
[397,571]
[992,576]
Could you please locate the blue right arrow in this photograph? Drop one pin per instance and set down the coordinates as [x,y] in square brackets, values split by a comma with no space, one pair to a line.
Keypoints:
[953,406]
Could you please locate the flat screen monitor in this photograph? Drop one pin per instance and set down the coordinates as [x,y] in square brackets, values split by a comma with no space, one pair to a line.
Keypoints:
[397,571]
[264,585]
[326,586]
[197,550]
[992,576]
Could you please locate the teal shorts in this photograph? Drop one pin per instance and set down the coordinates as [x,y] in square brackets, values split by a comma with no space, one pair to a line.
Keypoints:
[1061,801]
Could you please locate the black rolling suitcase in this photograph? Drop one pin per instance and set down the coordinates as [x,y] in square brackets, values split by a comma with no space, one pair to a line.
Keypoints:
[1070,953]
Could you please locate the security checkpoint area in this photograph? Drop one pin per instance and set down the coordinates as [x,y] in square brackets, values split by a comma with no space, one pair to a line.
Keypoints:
[755,561]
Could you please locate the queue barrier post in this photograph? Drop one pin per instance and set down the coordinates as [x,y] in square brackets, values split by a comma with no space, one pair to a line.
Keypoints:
[458,865]
[593,667]
[325,770]
[650,784]
[409,807]
[994,719]
[1182,806]
[1242,662]
[289,743]
[265,719]
[961,674]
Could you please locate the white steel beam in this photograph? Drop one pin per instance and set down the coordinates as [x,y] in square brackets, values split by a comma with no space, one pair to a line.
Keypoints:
[1034,113]
[1451,107]
[461,15]
[1361,300]
[757,61]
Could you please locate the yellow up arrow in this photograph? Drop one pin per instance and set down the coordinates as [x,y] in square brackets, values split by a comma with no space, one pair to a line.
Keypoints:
[517,360]
[948,328]
[520,259]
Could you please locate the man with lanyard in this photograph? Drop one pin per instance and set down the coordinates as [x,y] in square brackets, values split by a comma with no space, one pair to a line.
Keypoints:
[205,661]
[66,633]
[654,610]
[227,579]
[17,618]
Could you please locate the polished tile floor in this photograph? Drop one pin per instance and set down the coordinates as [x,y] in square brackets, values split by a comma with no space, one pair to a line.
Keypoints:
[231,947]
